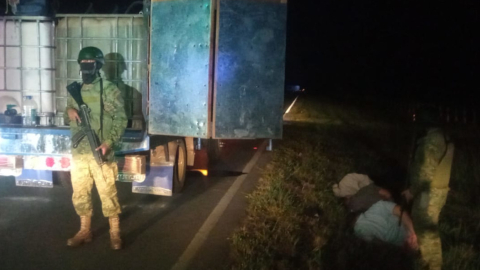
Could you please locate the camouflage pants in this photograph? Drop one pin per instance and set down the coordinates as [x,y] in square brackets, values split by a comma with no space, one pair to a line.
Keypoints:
[425,213]
[84,172]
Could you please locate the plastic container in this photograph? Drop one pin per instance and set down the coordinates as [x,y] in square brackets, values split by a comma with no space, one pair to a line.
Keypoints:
[10,110]
[29,113]
[59,120]
[27,61]
[46,119]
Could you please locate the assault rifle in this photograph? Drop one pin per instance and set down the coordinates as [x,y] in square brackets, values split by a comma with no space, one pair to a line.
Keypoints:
[85,124]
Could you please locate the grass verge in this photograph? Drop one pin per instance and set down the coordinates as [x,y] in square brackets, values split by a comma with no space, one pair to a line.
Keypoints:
[294,221]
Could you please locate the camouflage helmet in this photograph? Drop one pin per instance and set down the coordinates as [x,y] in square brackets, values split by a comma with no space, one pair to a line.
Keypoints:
[91,53]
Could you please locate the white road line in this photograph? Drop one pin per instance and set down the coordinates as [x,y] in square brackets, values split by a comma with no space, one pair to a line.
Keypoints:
[202,234]
[289,108]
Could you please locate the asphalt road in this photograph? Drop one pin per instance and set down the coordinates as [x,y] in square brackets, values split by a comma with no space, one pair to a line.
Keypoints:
[35,223]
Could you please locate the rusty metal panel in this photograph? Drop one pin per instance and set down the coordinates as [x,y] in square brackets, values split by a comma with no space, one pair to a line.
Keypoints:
[250,69]
[180,65]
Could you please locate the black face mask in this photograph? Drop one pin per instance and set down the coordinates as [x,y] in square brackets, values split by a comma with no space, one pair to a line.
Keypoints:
[89,72]
[88,78]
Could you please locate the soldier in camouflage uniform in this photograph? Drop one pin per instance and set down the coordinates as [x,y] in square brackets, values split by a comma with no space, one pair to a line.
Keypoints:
[429,177]
[113,69]
[85,170]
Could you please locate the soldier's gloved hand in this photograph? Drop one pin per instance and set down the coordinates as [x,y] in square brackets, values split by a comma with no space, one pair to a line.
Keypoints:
[73,115]
[104,147]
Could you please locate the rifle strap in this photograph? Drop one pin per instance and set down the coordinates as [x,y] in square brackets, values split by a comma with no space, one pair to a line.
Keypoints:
[101,107]
[80,92]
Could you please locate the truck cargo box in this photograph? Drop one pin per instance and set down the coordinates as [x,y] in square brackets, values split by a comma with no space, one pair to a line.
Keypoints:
[217,68]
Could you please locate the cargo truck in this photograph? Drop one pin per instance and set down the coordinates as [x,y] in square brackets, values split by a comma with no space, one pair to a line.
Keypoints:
[192,73]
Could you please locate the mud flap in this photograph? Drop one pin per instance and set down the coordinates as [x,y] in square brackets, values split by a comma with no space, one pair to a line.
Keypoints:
[158,181]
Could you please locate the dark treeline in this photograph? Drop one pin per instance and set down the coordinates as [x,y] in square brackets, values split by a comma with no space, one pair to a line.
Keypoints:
[388,49]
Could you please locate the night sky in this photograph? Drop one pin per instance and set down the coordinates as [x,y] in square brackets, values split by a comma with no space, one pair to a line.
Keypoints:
[397,49]
[393,49]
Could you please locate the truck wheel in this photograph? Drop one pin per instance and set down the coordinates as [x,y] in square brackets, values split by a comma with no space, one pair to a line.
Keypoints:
[180,167]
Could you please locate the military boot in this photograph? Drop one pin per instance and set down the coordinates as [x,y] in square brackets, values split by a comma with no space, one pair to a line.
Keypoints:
[115,240]
[84,235]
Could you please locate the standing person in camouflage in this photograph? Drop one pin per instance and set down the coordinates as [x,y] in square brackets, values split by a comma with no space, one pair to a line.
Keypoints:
[109,122]
[429,179]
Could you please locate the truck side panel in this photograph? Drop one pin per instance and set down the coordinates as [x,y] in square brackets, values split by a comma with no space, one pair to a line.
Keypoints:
[250,69]
[180,65]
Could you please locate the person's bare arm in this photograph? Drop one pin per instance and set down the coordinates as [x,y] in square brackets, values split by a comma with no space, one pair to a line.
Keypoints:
[73,115]
[408,224]
[71,110]
[385,194]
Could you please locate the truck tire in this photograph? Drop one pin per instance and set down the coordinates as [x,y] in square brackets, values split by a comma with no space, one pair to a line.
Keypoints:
[180,167]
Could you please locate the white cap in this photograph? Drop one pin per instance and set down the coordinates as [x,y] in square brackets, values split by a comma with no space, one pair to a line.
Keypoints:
[351,184]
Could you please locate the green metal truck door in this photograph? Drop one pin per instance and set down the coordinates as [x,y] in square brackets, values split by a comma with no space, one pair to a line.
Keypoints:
[250,68]
[180,67]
